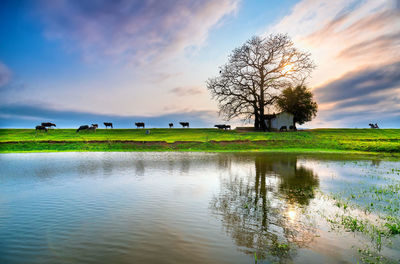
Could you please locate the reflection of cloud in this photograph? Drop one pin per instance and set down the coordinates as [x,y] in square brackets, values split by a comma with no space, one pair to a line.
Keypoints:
[5,75]
[142,30]
[355,45]
[15,115]
[186,91]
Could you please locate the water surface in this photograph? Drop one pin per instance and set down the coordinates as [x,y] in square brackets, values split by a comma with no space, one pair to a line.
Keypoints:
[197,208]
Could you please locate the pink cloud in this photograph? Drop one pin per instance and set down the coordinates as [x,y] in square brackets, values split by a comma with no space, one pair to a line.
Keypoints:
[355,45]
[186,91]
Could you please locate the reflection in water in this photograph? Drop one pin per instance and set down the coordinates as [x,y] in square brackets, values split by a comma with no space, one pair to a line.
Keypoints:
[168,207]
[262,212]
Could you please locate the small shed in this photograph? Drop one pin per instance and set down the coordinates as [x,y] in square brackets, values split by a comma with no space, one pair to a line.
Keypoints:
[275,122]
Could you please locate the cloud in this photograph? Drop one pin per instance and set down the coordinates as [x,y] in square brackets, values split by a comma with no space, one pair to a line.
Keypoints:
[381,43]
[361,97]
[360,83]
[5,75]
[143,31]
[18,115]
[186,91]
[362,117]
[344,35]
[355,45]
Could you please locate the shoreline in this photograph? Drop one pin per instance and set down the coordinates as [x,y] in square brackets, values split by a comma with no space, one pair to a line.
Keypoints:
[181,146]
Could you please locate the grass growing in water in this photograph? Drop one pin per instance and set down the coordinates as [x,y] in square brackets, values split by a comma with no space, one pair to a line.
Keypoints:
[369,208]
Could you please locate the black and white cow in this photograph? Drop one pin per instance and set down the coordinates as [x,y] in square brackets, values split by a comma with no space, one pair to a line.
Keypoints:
[184,124]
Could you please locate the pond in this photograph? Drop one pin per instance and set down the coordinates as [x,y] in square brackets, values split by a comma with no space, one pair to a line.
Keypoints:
[198,208]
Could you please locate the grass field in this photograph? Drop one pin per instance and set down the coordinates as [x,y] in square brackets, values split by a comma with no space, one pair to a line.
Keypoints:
[349,140]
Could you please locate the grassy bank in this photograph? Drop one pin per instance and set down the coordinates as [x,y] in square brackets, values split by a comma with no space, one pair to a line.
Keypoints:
[349,140]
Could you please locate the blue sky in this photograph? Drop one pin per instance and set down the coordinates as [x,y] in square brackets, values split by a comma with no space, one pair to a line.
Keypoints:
[78,62]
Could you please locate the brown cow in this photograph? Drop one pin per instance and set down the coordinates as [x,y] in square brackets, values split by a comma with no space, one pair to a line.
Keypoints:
[41,128]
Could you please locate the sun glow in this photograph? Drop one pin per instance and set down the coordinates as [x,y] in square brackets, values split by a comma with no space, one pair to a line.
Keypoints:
[287,68]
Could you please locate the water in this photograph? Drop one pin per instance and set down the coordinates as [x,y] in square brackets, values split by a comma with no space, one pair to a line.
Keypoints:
[197,208]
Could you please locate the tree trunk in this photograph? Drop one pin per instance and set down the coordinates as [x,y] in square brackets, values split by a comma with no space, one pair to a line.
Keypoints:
[261,103]
[262,121]
[256,120]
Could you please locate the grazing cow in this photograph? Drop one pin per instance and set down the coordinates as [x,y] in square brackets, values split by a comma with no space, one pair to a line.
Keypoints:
[85,127]
[184,124]
[292,128]
[41,128]
[139,124]
[48,124]
[92,128]
[283,128]
[95,125]
[108,125]
[171,125]
[223,126]
[373,126]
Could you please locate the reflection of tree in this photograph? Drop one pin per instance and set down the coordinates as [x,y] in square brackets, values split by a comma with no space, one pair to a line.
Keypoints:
[255,207]
[299,186]
[140,167]
[375,162]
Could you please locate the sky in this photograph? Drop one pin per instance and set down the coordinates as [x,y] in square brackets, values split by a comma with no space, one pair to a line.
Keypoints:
[91,61]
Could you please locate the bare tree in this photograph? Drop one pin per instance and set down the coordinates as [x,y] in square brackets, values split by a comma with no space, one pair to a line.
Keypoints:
[254,75]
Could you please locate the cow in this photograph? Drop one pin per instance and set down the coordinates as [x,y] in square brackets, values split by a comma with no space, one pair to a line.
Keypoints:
[84,127]
[283,128]
[108,124]
[139,124]
[95,125]
[373,126]
[48,124]
[92,128]
[293,128]
[41,128]
[171,125]
[223,126]
[184,124]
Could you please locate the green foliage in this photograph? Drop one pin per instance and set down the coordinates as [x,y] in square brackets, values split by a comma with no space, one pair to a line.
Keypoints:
[299,102]
[353,224]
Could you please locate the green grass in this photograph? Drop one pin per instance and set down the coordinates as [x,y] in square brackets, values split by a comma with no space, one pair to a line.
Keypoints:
[349,140]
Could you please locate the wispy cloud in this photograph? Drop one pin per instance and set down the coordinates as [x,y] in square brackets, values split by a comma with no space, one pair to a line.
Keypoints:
[186,91]
[133,30]
[361,83]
